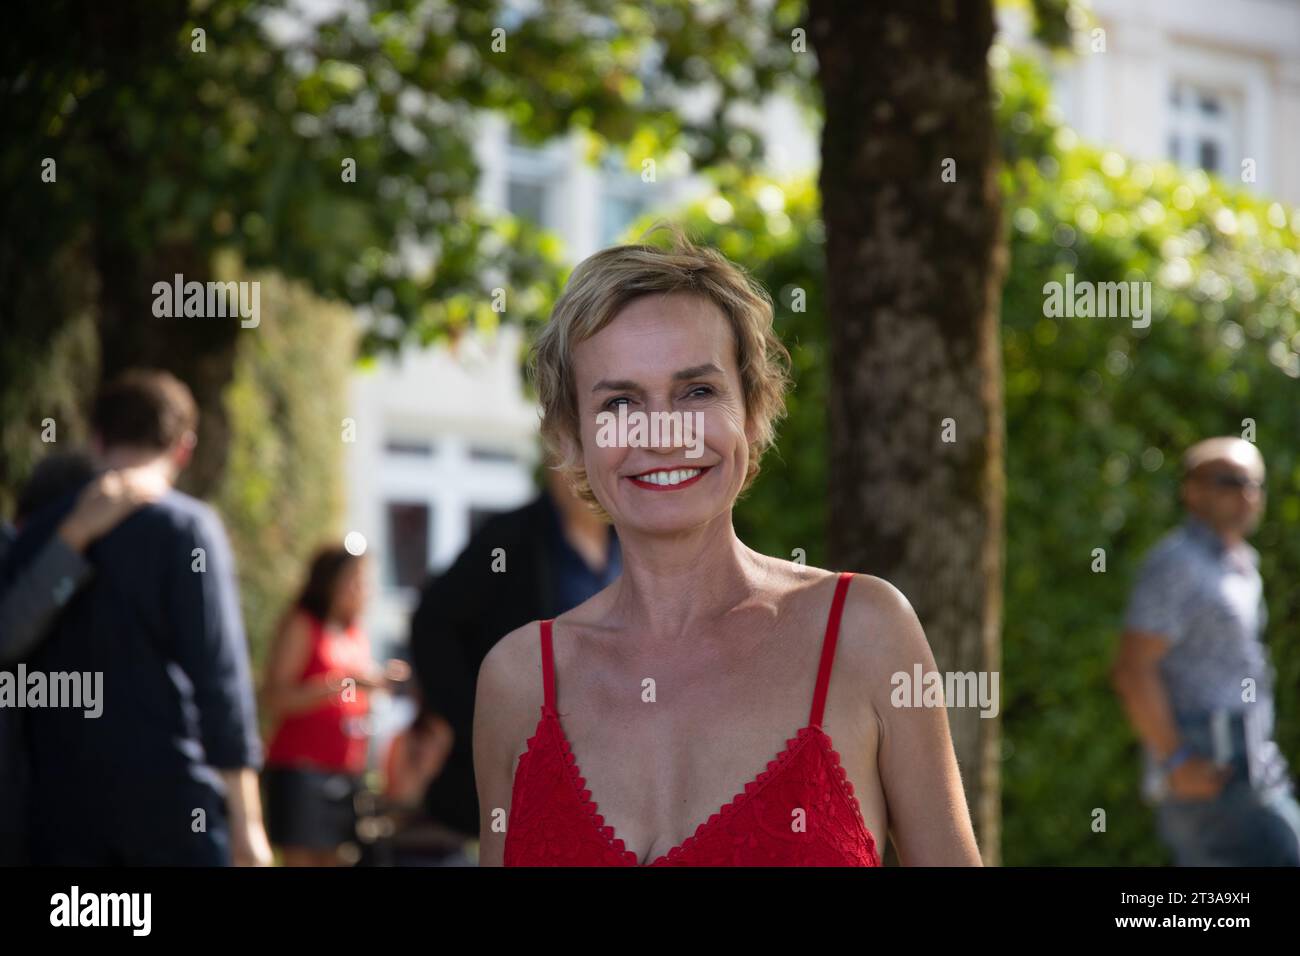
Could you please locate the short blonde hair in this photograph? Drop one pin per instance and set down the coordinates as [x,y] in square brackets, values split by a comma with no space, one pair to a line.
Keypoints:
[606,282]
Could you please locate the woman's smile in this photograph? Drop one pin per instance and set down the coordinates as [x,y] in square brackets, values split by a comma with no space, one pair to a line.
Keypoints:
[668,479]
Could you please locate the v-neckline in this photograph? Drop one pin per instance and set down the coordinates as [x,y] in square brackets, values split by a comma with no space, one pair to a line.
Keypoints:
[608,831]
[793,746]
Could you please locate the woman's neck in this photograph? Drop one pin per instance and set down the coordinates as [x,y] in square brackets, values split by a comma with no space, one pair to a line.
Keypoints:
[665,590]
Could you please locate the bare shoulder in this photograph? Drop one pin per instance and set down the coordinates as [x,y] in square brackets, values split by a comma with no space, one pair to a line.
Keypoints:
[296,628]
[511,673]
[879,631]
[590,615]
[878,626]
[290,648]
[877,599]
[506,703]
[509,693]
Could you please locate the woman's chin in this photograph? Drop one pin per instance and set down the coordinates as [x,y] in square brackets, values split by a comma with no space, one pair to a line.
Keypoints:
[665,519]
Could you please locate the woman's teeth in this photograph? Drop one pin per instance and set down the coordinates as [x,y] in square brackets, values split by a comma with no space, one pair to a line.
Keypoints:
[669,477]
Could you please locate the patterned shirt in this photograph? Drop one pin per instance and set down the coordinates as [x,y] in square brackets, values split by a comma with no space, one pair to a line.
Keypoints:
[1208,601]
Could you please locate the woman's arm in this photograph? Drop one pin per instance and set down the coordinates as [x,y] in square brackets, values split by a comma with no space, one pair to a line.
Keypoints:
[509,693]
[929,820]
[38,593]
[283,691]
[491,765]
[31,603]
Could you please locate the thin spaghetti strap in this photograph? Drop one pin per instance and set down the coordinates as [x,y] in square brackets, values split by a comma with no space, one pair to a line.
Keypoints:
[548,669]
[828,649]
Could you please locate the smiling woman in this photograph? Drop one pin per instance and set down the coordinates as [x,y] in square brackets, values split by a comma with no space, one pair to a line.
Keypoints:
[684,676]
[699,280]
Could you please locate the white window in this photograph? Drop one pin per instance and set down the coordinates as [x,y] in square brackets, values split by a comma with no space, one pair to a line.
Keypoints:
[617,213]
[623,200]
[532,175]
[409,533]
[435,487]
[1204,127]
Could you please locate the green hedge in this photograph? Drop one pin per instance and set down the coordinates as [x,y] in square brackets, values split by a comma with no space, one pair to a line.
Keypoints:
[282,493]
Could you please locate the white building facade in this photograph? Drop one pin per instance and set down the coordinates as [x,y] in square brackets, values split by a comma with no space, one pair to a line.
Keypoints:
[1210,84]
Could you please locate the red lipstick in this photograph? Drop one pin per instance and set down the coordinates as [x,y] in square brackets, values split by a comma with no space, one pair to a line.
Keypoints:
[648,486]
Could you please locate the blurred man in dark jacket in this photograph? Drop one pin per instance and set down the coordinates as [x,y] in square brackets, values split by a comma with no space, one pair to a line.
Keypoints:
[533,563]
[31,601]
[162,770]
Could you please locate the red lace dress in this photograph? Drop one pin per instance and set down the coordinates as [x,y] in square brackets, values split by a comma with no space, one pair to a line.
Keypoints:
[554,821]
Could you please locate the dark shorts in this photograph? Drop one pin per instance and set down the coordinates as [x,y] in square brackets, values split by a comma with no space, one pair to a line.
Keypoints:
[313,809]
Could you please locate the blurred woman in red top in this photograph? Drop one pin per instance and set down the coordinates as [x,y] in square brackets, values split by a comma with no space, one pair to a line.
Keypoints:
[315,693]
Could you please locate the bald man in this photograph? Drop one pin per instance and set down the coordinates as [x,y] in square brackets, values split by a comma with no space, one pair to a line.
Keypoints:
[1195,678]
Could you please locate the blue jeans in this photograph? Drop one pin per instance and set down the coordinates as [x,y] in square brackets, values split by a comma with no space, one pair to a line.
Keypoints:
[1242,826]
[1254,821]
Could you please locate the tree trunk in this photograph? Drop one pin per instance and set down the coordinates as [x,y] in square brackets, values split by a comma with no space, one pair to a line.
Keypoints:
[914,273]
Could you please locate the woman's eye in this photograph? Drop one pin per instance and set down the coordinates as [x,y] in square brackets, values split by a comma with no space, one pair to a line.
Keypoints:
[619,398]
[705,389]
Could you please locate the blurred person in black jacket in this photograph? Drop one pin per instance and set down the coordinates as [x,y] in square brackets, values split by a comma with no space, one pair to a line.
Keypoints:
[164,772]
[32,600]
[536,562]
